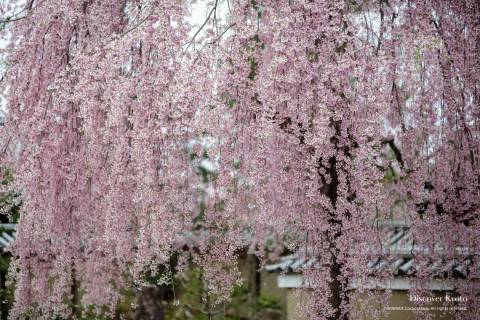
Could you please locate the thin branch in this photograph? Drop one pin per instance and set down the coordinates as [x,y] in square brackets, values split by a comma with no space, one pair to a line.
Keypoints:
[215,22]
[135,26]
[221,34]
[189,43]
[11,19]
[16,16]
[6,145]
[380,38]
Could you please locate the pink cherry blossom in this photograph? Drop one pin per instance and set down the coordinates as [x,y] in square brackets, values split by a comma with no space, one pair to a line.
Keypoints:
[134,135]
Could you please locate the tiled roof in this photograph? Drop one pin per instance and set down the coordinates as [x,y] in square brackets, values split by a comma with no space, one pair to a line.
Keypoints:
[7,234]
[403,266]
[397,257]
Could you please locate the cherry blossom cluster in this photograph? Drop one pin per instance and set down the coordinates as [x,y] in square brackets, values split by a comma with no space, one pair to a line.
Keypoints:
[134,134]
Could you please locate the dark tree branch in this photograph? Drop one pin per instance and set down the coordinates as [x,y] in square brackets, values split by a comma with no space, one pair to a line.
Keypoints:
[396,150]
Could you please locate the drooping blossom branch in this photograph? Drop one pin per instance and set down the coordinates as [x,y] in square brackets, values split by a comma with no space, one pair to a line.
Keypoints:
[304,121]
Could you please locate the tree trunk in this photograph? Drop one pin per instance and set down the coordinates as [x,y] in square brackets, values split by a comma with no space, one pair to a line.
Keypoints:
[253,282]
[337,288]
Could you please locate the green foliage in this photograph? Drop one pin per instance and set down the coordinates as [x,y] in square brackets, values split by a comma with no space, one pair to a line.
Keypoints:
[231,103]
[8,205]
[10,209]
[268,301]
[194,303]
[253,68]
[6,292]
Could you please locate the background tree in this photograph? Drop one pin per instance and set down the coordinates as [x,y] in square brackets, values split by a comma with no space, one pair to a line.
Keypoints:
[300,97]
